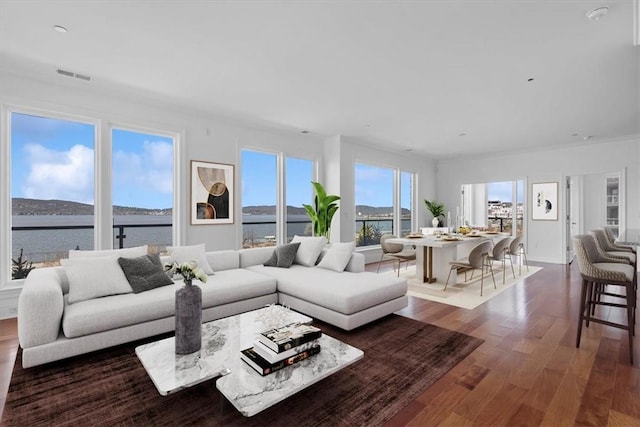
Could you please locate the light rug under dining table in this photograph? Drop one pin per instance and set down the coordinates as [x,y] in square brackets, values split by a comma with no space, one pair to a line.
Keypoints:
[461,293]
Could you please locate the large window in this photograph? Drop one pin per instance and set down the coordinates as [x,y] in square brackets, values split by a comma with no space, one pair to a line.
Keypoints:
[59,174]
[298,190]
[375,196]
[272,212]
[406,202]
[142,189]
[52,189]
[259,198]
[494,205]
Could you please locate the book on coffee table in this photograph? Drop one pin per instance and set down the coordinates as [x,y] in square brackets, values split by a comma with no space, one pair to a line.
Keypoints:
[263,367]
[272,357]
[290,336]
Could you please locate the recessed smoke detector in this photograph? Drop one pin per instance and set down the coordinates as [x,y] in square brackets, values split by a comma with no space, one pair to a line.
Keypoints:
[72,74]
[60,29]
[304,131]
[597,13]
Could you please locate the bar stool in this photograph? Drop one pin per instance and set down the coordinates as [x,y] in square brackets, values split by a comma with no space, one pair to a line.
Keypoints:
[603,245]
[608,230]
[596,271]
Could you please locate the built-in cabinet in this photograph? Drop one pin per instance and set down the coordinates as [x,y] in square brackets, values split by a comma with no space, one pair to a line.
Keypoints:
[613,201]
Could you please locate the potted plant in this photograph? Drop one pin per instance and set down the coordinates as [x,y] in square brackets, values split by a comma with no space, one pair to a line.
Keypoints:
[437,210]
[321,213]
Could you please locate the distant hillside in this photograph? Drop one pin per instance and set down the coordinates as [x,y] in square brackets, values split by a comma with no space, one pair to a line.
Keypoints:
[65,207]
[362,210]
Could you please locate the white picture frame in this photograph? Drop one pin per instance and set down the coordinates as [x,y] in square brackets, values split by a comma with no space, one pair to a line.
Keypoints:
[544,201]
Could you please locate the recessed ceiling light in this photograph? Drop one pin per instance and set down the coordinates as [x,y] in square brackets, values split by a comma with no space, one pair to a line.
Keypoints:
[597,13]
[574,134]
[586,138]
[304,131]
[530,79]
[366,126]
[60,29]
[462,134]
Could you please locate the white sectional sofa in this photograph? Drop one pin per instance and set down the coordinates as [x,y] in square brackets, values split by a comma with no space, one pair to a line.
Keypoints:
[50,328]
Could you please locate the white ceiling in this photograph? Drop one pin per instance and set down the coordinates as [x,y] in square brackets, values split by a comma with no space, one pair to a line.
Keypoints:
[408,75]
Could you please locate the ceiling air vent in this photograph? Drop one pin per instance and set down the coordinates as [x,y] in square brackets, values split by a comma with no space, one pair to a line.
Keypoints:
[72,74]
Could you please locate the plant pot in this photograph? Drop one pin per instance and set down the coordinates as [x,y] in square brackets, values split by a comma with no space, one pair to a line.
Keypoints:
[188,319]
[435,222]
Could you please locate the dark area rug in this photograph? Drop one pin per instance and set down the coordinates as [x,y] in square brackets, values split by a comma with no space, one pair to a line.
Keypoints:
[402,358]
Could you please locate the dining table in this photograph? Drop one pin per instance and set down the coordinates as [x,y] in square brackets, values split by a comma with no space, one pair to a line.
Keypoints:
[435,252]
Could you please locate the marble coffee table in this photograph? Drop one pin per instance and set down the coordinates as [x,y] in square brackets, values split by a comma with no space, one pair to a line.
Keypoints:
[222,340]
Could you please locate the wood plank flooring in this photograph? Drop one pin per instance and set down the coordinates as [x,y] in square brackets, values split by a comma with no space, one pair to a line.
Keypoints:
[527,372]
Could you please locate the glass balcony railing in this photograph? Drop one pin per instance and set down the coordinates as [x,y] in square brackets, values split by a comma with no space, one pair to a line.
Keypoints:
[45,245]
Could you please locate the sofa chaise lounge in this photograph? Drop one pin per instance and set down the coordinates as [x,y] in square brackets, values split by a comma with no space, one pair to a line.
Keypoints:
[51,328]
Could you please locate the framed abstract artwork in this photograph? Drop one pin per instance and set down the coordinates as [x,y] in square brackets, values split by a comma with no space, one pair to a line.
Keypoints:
[212,193]
[544,201]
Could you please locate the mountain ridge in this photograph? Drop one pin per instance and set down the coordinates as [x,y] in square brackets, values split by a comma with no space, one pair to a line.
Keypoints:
[24,206]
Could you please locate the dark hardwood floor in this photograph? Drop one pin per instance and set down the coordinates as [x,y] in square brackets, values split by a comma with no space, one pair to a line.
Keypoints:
[528,371]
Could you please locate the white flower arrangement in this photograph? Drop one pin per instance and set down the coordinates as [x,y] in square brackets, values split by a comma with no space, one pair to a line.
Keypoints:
[189,270]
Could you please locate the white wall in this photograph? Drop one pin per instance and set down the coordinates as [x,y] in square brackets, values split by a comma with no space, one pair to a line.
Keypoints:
[546,240]
[203,137]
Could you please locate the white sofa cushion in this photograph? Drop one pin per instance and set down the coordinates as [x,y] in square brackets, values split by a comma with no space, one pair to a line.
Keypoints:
[344,292]
[223,260]
[337,256]
[309,250]
[94,277]
[103,314]
[195,253]
[115,253]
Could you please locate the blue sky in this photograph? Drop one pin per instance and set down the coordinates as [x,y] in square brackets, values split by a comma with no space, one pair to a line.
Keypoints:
[54,159]
[503,191]
[259,183]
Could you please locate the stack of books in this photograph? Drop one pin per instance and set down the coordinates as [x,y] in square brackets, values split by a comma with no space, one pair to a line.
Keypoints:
[281,347]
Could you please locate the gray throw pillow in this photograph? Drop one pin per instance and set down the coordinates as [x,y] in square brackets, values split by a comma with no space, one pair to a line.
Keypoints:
[283,256]
[144,273]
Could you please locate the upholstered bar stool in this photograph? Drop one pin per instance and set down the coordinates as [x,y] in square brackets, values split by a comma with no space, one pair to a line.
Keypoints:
[605,246]
[596,271]
[608,229]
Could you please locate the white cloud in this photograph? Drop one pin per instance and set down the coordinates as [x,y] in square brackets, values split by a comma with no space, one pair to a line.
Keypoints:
[64,175]
[150,170]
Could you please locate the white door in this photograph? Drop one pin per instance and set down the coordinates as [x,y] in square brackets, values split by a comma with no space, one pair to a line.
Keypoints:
[573,204]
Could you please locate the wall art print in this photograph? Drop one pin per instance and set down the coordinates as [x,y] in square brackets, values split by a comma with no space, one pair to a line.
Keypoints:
[211,193]
[544,203]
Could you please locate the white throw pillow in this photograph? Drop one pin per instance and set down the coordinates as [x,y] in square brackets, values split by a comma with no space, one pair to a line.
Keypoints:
[195,253]
[337,256]
[309,250]
[115,253]
[94,277]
